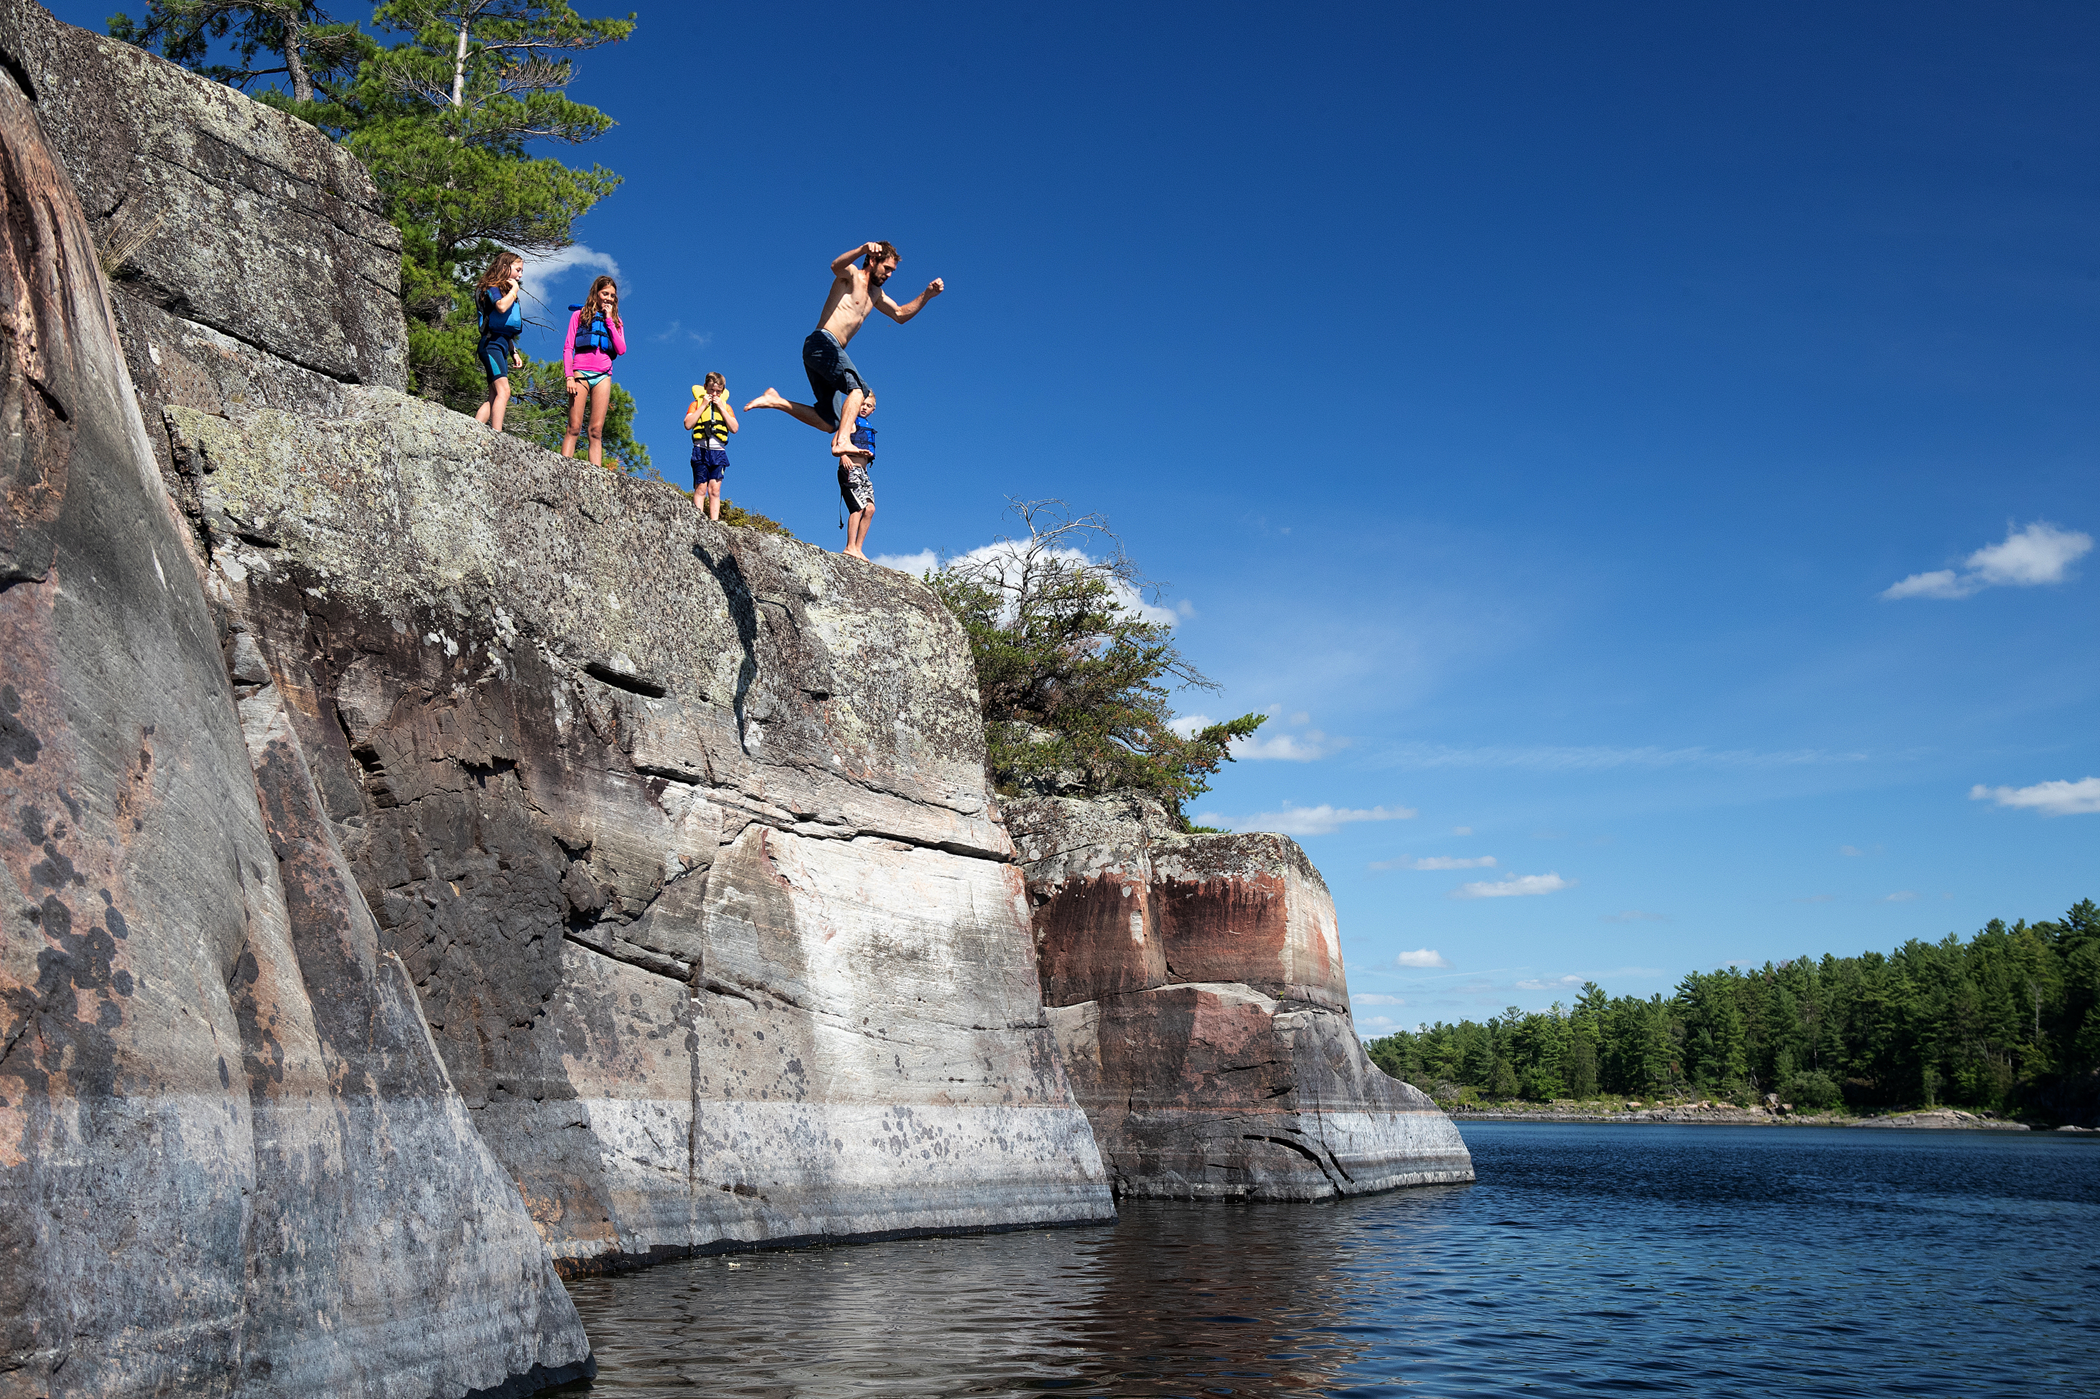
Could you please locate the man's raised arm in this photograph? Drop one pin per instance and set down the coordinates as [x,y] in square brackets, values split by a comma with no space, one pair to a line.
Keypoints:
[901,314]
[846,259]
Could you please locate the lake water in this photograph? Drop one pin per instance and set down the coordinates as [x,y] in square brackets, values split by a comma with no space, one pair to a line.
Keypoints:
[1586,1261]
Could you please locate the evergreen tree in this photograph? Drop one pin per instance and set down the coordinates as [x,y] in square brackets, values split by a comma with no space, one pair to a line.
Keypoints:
[201,34]
[1074,682]
[2009,1019]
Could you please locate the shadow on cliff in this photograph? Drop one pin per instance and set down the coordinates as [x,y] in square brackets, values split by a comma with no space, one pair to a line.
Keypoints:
[743,610]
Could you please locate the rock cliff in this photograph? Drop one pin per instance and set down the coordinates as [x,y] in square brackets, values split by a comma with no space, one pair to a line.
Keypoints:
[428,864]
[231,1157]
[680,830]
[1196,986]
[429,867]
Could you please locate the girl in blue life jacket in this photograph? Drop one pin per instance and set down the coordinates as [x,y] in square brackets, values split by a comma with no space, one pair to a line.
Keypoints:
[710,419]
[499,302]
[595,339]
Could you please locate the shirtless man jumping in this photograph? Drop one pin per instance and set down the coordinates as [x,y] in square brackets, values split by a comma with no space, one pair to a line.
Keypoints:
[856,288]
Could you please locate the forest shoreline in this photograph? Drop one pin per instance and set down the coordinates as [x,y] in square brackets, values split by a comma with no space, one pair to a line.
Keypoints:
[1710,1114]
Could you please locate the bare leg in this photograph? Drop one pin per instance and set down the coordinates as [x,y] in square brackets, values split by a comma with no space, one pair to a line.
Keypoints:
[857,530]
[800,412]
[499,400]
[601,396]
[577,401]
[849,414]
[714,500]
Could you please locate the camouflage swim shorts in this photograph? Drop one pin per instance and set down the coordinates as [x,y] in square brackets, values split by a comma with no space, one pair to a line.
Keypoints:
[855,489]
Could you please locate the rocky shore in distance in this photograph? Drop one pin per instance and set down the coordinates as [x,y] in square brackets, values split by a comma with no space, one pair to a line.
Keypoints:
[1705,1112]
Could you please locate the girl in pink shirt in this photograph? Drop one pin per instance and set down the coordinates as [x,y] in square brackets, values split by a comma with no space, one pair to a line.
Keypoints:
[596,338]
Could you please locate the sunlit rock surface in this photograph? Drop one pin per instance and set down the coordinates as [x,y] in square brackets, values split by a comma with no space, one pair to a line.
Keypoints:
[1197,989]
[680,830]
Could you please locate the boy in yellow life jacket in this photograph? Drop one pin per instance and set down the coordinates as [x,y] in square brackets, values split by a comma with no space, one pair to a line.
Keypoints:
[710,419]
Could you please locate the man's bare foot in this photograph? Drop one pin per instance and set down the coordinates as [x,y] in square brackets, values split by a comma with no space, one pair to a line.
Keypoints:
[769,399]
[856,456]
[852,552]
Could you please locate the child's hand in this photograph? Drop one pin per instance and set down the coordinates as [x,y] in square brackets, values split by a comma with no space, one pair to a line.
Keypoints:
[572,386]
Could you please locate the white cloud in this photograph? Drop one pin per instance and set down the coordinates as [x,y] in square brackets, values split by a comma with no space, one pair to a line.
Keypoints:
[1006,555]
[1516,886]
[1372,998]
[2059,798]
[1635,915]
[925,561]
[1291,748]
[1901,896]
[1435,862]
[676,329]
[1422,957]
[1305,820]
[1850,850]
[1461,830]
[1941,582]
[547,267]
[1265,744]
[1557,983]
[2027,558]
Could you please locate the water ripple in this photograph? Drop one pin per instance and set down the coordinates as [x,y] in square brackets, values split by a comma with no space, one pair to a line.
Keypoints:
[1588,1260]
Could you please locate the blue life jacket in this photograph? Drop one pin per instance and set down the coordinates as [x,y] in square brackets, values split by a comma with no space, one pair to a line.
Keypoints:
[592,335]
[499,324]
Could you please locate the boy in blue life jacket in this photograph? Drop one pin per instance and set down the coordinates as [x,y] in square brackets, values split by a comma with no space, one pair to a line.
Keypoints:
[856,492]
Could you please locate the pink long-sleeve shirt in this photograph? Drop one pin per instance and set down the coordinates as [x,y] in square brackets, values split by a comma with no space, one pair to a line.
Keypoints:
[590,361]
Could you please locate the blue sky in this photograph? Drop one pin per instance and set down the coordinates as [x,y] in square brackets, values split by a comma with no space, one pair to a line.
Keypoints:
[1531,404]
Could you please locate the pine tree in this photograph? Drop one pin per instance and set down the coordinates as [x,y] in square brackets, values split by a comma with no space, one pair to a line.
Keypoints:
[1075,684]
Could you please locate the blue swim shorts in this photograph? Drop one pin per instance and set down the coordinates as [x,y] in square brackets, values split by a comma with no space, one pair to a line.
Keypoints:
[494,353]
[708,464]
[831,375]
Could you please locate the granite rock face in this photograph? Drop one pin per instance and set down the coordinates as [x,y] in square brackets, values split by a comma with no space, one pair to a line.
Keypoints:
[231,1158]
[681,831]
[215,209]
[1197,990]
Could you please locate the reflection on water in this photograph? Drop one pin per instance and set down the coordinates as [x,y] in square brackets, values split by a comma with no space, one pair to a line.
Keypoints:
[1588,1260]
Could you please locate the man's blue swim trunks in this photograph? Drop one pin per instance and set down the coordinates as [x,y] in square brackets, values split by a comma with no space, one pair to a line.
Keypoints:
[831,375]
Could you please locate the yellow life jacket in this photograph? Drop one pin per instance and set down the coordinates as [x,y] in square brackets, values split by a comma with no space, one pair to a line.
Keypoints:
[710,429]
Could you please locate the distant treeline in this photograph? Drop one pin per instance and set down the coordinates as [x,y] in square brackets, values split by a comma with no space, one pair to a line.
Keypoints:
[2008,1020]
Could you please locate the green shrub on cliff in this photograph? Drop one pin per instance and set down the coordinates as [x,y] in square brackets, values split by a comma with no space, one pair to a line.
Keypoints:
[1073,680]
[444,117]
